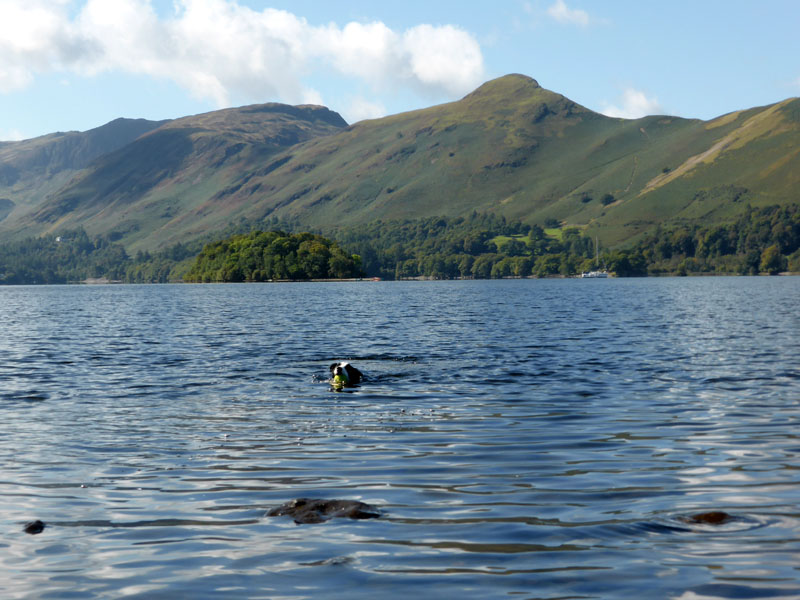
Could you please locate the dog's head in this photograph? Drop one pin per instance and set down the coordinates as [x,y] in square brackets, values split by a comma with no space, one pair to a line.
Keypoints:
[348,373]
[338,369]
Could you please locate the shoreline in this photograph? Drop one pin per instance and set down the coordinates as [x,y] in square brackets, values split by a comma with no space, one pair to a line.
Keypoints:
[102,281]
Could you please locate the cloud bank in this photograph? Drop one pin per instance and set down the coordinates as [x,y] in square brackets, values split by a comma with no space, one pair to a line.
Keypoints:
[635,104]
[220,50]
[563,14]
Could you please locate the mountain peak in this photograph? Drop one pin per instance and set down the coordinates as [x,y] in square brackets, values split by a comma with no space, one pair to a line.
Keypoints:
[309,112]
[507,85]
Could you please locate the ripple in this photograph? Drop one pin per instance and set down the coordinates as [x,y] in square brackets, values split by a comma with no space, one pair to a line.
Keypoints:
[530,438]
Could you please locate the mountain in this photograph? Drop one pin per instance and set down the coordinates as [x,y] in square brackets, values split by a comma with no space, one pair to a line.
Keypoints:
[510,147]
[514,148]
[144,190]
[31,169]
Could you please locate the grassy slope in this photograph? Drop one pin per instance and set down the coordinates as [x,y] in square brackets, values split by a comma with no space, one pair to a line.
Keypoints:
[747,157]
[474,154]
[510,147]
[30,170]
[527,153]
[140,193]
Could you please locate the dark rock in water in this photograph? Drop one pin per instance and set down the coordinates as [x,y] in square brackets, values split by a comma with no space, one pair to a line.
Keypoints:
[316,510]
[34,527]
[714,517]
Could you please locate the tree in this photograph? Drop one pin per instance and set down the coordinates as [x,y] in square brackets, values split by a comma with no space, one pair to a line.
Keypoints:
[465,265]
[502,268]
[512,247]
[627,264]
[548,264]
[772,261]
[482,267]
[552,223]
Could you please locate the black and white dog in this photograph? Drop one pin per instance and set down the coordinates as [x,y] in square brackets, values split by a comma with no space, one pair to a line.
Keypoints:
[346,372]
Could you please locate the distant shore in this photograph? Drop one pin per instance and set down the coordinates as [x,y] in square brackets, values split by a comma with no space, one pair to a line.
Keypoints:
[107,281]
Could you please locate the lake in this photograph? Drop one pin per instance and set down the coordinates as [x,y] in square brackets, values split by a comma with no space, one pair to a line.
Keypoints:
[521,438]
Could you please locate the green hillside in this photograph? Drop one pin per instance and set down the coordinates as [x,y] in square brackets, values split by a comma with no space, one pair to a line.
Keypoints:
[30,170]
[523,152]
[141,193]
[510,148]
[749,157]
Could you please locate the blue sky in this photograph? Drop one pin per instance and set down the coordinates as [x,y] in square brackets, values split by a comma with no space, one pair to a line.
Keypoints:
[77,64]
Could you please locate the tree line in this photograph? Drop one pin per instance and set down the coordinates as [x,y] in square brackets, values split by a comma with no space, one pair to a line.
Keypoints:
[762,240]
[73,256]
[68,257]
[481,246]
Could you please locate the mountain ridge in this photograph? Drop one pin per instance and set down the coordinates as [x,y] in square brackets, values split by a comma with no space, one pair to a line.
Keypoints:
[160,173]
[31,169]
[509,147]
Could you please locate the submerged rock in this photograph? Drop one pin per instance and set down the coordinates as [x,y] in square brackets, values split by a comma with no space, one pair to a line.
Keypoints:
[714,517]
[34,527]
[317,510]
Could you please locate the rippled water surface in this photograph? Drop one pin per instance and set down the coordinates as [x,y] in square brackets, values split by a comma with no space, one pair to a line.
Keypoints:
[522,439]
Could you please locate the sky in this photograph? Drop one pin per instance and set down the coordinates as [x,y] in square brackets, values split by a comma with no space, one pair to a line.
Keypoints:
[77,64]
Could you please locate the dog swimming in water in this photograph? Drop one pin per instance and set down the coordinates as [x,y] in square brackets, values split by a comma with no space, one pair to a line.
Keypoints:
[343,373]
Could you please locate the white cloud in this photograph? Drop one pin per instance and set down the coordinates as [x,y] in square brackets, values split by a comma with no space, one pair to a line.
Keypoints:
[13,135]
[443,58]
[570,16]
[360,109]
[635,104]
[14,77]
[370,51]
[436,60]
[221,50]
[35,37]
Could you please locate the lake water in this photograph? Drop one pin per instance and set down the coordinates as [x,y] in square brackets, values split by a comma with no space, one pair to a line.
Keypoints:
[522,439]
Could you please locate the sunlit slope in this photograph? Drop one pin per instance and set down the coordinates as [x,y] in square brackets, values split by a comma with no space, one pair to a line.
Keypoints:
[746,157]
[510,147]
[141,191]
[528,153]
